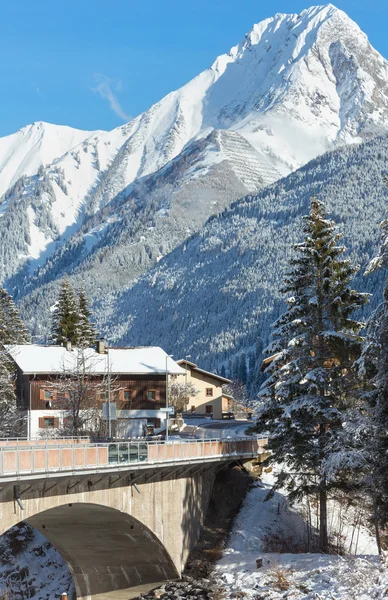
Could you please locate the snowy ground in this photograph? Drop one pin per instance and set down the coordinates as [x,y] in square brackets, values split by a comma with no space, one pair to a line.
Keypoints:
[31,568]
[296,576]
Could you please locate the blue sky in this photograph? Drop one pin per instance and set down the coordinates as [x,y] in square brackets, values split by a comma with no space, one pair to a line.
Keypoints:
[93,64]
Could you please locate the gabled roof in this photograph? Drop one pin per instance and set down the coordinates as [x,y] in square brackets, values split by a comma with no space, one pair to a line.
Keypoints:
[267,361]
[195,368]
[53,360]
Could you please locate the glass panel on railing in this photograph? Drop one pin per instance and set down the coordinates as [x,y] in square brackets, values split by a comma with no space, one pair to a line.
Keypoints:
[113,453]
[143,452]
[134,452]
[123,453]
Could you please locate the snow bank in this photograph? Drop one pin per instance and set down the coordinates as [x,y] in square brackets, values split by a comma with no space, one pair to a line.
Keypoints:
[261,524]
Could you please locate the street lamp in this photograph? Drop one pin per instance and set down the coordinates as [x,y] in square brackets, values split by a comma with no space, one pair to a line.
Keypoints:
[109,406]
[187,396]
[167,407]
[186,357]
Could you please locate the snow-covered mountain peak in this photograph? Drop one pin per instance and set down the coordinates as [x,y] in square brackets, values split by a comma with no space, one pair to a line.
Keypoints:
[307,21]
[40,143]
[293,88]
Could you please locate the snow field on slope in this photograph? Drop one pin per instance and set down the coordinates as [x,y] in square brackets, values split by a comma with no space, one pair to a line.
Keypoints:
[301,576]
[23,152]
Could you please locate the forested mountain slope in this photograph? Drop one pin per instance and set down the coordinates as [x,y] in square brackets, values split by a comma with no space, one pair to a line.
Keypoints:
[215,294]
[115,203]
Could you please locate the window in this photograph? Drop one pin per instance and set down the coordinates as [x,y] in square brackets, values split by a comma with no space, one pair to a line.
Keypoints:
[151,395]
[126,399]
[209,392]
[46,394]
[48,422]
[209,409]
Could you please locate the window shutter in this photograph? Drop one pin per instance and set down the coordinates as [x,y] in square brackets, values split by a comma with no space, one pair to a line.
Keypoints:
[56,422]
[53,393]
[157,395]
[41,422]
[121,395]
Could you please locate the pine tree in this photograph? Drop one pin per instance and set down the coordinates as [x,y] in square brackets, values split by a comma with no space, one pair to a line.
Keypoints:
[243,373]
[12,328]
[65,319]
[373,367]
[86,332]
[311,382]
[12,331]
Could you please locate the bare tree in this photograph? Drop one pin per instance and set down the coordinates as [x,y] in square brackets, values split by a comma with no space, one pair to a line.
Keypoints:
[180,393]
[79,390]
[238,391]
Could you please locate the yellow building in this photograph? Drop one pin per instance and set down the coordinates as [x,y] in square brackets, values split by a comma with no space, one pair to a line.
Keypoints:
[210,399]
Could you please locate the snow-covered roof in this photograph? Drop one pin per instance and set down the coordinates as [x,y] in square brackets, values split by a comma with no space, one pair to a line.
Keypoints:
[35,359]
[196,368]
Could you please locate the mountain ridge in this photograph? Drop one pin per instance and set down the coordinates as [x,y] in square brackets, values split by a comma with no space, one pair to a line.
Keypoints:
[111,207]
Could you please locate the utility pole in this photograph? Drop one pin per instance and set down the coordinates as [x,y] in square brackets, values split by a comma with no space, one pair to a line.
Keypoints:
[167,407]
[109,416]
[186,366]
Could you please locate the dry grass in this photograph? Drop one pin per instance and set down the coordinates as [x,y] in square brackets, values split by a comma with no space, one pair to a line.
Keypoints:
[279,576]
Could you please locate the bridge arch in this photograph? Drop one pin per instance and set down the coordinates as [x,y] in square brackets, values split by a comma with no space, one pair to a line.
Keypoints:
[110,553]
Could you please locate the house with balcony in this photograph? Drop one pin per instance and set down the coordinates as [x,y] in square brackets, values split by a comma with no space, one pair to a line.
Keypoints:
[51,380]
[210,399]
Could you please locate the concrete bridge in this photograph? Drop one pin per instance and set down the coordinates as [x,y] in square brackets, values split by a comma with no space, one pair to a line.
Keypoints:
[124,515]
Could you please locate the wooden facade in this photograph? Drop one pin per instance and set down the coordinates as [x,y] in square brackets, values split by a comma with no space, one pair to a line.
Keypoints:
[46,396]
[135,392]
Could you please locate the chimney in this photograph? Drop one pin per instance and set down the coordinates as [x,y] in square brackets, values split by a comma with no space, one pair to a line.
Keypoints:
[100,346]
[68,346]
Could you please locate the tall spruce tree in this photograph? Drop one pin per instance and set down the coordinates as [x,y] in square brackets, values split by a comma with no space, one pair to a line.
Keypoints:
[12,328]
[65,320]
[310,380]
[373,367]
[71,320]
[12,331]
[86,331]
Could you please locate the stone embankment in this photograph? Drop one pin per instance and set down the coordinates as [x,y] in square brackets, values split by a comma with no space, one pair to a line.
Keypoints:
[186,589]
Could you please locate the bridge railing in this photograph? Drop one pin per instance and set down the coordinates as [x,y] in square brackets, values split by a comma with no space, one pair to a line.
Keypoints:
[54,441]
[65,458]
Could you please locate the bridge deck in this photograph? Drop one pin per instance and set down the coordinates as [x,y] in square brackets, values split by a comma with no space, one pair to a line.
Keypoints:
[41,459]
